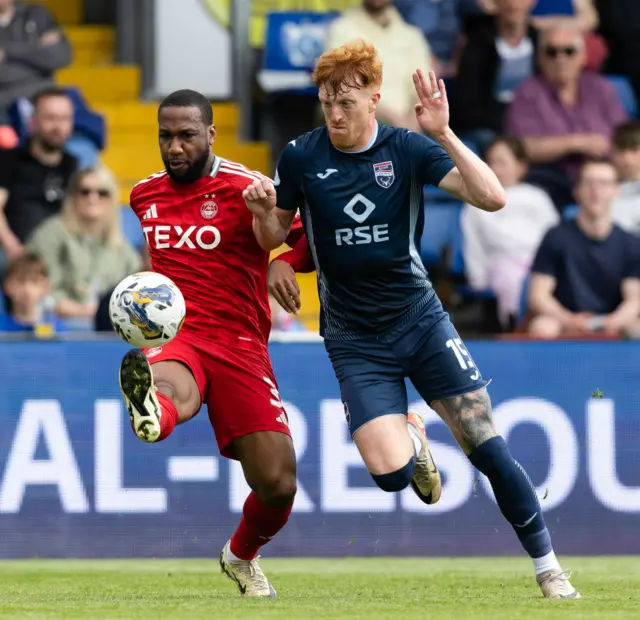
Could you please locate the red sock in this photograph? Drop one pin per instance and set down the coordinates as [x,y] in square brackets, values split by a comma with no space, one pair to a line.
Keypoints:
[258,525]
[169,417]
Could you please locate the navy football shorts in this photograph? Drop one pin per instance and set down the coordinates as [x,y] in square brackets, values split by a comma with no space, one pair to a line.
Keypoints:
[428,352]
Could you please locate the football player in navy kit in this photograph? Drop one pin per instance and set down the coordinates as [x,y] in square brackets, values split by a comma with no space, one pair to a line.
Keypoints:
[358,186]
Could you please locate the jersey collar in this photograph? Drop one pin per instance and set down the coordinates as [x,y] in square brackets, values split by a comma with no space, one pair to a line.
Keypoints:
[366,148]
[217,162]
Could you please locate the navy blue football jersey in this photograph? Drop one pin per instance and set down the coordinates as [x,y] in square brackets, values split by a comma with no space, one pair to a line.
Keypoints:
[363,216]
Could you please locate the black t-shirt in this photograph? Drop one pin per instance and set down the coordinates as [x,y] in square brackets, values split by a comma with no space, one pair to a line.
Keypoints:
[35,191]
[588,272]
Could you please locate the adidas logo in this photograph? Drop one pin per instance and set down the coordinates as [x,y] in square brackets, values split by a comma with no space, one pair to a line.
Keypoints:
[151,213]
[282,418]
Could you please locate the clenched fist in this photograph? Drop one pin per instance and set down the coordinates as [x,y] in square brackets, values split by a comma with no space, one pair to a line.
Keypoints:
[260,197]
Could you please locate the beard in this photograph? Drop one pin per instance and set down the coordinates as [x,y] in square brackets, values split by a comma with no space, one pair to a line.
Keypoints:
[195,171]
[49,145]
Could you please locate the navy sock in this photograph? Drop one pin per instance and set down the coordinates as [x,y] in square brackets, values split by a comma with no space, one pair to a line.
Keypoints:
[515,495]
[396,480]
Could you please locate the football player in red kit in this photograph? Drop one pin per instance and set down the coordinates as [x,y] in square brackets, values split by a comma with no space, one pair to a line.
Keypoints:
[200,235]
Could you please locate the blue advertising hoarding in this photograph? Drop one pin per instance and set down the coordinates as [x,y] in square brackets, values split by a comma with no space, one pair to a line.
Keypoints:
[75,482]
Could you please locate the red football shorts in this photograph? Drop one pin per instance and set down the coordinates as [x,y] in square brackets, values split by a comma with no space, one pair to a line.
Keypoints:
[236,383]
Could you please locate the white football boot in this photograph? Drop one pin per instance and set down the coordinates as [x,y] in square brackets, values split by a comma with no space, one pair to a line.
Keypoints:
[247,575]
[426,482]
[136,385]
[555,584]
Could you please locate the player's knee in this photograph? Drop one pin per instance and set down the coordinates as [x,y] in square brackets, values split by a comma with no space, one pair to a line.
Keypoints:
[277,490]
[545,327]
[396,480]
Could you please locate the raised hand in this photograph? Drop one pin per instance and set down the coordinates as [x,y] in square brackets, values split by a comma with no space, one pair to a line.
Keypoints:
[432,113]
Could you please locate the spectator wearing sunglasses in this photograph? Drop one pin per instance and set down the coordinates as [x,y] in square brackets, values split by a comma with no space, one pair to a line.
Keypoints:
[83,247]
[564,115]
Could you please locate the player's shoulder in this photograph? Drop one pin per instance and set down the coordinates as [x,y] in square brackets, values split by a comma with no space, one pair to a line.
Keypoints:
[237,175]
[307,143]
[148,185]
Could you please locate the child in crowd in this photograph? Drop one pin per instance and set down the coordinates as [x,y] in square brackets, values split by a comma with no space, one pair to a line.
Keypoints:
[27,289]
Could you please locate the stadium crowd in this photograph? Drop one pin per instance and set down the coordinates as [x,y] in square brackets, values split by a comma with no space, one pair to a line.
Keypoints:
[545,90]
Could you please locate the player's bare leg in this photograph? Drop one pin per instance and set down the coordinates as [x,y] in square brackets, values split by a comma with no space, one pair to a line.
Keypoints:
[396,452]
[269,464]
[469,418]
[157,399]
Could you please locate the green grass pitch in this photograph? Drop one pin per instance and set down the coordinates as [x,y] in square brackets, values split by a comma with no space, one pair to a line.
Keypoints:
[368,589]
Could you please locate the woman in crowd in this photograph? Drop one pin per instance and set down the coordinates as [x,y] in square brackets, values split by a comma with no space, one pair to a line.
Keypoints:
[83,247]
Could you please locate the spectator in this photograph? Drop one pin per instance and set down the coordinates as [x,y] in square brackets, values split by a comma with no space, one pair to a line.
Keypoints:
[32,47]
[440,23]
[563,115]
[33,178]
[553,13]
[499,247]
[83,247]
[26,288]
[580,14]
[626,158]
[500,54]
[402,48]
[585,276]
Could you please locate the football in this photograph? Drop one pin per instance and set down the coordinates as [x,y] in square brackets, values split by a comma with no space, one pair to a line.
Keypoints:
[147,309]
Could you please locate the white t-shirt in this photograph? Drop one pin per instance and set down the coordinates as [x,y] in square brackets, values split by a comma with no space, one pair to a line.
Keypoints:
[513,233]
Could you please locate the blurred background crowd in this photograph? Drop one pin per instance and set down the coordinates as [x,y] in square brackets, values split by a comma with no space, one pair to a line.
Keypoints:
[545,90]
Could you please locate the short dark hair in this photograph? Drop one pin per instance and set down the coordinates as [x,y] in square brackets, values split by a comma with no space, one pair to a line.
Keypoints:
[189,99]
[515,145]
[28,263]
[46,93]
[626,137]
[594,161]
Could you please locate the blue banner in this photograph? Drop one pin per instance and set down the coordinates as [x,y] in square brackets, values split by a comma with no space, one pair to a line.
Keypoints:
[75,482]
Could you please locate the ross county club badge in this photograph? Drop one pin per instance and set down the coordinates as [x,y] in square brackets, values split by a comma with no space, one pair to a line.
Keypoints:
[384,174]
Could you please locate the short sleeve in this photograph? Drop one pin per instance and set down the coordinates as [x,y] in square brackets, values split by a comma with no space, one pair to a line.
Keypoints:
[286,181]
[549,256]
[429,160]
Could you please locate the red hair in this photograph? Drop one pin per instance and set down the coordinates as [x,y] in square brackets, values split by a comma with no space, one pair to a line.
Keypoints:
[353,65]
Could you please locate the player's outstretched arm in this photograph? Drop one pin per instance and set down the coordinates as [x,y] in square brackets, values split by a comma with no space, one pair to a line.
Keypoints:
[270,224]
[471,180]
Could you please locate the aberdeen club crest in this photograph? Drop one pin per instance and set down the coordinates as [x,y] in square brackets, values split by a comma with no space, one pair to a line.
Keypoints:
[384,174]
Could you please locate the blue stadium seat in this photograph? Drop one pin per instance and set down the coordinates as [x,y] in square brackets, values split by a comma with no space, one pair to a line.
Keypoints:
[439,229]
[131,228]
[457,263]
[625,92]
[435,194]
[569,212]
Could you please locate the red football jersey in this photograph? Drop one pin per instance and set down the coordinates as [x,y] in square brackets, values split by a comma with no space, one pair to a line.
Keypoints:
[200,236]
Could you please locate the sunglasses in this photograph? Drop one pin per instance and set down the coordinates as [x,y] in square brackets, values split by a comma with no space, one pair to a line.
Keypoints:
[554,52]
[87,191]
